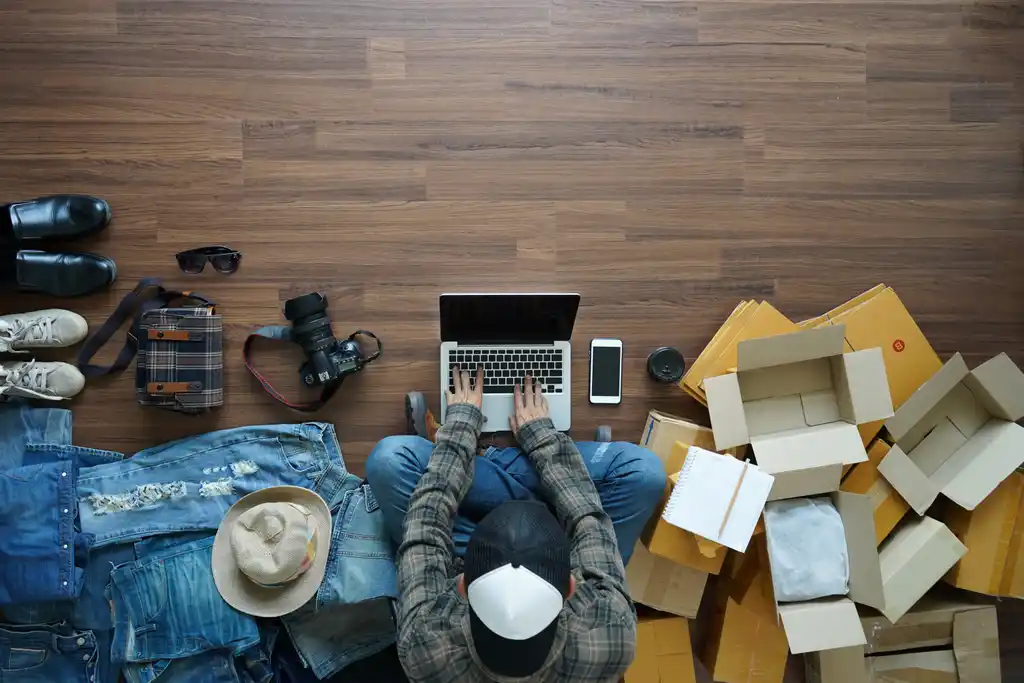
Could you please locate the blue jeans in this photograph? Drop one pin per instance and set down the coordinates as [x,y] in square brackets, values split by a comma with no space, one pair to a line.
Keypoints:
[45,653]
[629,479]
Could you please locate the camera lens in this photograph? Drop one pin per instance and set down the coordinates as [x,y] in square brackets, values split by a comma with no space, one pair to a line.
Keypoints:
[305,306]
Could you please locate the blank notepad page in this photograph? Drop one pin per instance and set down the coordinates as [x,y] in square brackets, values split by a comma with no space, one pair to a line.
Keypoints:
[700,499]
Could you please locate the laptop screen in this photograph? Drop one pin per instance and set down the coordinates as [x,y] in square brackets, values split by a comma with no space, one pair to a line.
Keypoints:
[508,318]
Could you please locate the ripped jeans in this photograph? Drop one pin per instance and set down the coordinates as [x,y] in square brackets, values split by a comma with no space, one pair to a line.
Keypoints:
[189,485]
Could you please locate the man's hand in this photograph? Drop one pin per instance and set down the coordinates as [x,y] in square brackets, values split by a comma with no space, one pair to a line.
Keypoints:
[530,405]
[464,392]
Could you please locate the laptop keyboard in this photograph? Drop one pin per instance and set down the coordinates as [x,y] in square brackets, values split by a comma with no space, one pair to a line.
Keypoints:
[503,368]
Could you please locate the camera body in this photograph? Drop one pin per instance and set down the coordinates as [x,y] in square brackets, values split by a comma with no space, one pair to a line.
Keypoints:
[328,359]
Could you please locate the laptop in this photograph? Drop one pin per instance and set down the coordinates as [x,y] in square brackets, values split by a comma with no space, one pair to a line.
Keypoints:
[511,335]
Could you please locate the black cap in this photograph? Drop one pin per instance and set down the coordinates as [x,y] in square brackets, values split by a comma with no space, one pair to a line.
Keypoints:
[522,534]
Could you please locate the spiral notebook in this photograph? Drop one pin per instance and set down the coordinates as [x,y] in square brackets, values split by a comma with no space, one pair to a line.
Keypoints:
[718,497]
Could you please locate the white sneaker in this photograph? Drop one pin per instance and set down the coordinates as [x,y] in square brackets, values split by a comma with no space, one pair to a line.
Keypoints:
[49,329]
[34,379]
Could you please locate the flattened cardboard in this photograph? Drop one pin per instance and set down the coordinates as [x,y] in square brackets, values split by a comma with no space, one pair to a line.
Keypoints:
[664,585]
[694,376]
[889,506]
[663,652]
[992,533]
[912,560]
[821,625]
[878,319]
[929,625]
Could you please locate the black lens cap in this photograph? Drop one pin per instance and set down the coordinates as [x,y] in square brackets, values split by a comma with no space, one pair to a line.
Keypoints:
[666,365]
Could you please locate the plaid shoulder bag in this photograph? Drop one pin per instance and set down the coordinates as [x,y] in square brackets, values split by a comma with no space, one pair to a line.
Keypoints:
[180,348]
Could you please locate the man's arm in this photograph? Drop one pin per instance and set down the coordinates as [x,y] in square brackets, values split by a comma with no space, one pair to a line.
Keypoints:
[568,488]
[425,555]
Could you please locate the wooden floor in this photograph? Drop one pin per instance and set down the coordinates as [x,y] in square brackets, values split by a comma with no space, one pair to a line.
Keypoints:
[664,159]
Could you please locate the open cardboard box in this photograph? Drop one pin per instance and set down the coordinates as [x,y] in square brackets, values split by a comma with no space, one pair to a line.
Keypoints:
[833,622]
[939,641]
[865,478]
[957,434]
[877,318]
[797,399]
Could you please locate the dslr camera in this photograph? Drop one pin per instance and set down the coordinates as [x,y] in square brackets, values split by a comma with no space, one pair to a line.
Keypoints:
[328,359]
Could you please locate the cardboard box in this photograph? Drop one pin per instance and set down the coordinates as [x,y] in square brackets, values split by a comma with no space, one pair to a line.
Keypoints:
[663,652]
[749,320]
[745,644]
[961,639]
[664,585]
[957,434]
[877,318]
[867,480]
[912,560]
[992,532]
[797,399]
[829,623]
[677,545]
[662,431]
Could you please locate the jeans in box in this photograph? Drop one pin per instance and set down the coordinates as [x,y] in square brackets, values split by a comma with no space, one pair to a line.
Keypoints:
[47,654]
[188,485]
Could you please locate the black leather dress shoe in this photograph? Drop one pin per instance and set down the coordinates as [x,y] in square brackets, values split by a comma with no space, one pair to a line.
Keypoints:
[62,216]
[63,274]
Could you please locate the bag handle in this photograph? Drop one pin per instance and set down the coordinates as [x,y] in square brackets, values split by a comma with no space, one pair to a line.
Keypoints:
[148,295]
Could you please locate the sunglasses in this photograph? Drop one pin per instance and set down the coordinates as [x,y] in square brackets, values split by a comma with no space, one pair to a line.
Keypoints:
[224,259]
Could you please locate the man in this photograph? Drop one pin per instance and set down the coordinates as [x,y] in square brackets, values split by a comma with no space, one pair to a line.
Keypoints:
[542,594]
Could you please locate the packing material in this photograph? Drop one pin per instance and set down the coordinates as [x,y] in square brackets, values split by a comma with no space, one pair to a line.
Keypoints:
[940,641]
[663,652]
[829,623]
[957,434]
[865,478]
[749,320]
[797,400]
[877,318]
[992,532]
[912,560]
[664,585]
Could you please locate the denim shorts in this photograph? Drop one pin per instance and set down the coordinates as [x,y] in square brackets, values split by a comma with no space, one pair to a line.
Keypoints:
[47,654]
[166,606]
[189,485]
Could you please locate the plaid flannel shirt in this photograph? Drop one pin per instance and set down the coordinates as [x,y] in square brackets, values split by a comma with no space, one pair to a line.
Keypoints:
[597,627]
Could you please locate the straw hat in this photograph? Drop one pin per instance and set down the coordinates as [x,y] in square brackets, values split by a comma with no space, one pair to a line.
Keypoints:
[270,552]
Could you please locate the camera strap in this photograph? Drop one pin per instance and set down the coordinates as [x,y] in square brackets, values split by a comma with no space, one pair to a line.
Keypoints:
[284,333]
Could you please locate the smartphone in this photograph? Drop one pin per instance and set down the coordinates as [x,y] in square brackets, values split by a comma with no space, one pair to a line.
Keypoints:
[606,371]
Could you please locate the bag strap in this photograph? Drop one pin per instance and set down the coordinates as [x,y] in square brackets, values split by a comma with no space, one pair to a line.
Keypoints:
[148,295]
